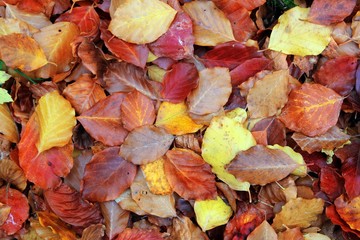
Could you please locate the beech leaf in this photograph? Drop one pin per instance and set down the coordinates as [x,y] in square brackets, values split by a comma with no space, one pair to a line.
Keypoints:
[5,97]
[183,228]
[8,127]
[145,144]
[263,232]
[49,220]
[12,174]
[139,234]
[95,232]
[349,211]
[116,219]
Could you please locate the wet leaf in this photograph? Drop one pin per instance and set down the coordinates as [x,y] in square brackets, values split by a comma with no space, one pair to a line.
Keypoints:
[293,35]
[312,109]
[103,120]
[116,219]
[8,127]
[155,176]
[349,211]
[108,169]
[175,119]
[212,213]
[141,21]
[211,26]
[263,232]
[145,144]
[12,174]
[183,168]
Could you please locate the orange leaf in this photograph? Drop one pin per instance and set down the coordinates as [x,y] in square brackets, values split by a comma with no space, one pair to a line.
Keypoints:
[23,52]
[8,127]
[293,234]
[139,234]
[183,169]
[263,232]
[137,110]
[312,109]
[155,176]
[49,219]
[349,211]
[12,174]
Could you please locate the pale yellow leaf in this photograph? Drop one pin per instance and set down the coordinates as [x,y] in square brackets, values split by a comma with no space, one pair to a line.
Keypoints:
[175,119]
[294,35]
[211,26]
[56,120]
[8,127]
[8,26]
[223,139]
[315,236]
[263,232]
[156,73]
[212,213]
[141,21]
[5,97]
[56,41]
[155,177]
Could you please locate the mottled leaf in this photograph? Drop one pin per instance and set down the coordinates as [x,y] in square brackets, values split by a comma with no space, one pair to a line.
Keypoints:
[116,219]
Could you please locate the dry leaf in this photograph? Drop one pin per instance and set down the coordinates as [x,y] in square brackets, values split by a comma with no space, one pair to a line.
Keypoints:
[349,211]
[8,127]
[116,219]
[184,229]
[263,232]
[155,176]
[95,232]
[51,221]
[12,174]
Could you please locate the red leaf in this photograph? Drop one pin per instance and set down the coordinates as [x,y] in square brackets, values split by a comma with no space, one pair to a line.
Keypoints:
[136,54]
[230,55]
[36,6]
[46,168]
[19,211]
[338,74]
[183,169]
[139,234]
[103,120]
[137,110]
[179,82]
[178,42]
[269,131]
[247,218]
[326,12]
[348,151]
[85,17]
[107,176]
[351,173]
[71,208]
[331,182]
[335,218]
[248,69]
[228,5]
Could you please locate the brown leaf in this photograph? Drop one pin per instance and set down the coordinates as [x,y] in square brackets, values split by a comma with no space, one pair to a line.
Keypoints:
[298,213]
[277,192]
[12,174]
[137,110]
[103,120]
[269,94]
[263,232]
[145,144]
[184,229]
[212,92]
[183,169]
[269,131]
[124,77]
[312,109]
[8,127]
[116,219]
[293,234]
[4,213]
[330,140]
[349,211]
[261,165]
[94,232]
[188,141]
[106,176]
[84,93]
[41,231]
[139,234]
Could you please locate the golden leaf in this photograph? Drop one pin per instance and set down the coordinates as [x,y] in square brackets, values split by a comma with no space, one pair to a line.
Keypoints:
[155,177]
[8,127]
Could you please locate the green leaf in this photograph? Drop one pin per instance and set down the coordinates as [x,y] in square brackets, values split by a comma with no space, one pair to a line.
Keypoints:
[4,96]
[4,77]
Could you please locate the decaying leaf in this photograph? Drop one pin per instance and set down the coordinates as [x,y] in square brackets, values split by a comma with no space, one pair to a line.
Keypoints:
[8,128]
[155,176]
[12,174]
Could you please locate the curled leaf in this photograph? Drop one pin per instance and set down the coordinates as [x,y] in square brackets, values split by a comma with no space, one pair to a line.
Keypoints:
[12,173]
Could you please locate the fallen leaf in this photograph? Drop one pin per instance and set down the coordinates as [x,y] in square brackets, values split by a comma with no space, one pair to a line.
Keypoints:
[108,169]
[4,213]
[19,209]
[56,40]
[71,208]
[175,119]
[211,26]
[183,229]
[277,192]
[137,110]
[103,120]
[298,212]
[306,108]
[8,127]
[293,35]
[10,25]
[315,236]
[141,21]
[351,173]
[223,139]
[43,232]
[263,232]
[268,95]
[325,13]
[269,131]
[12,174]
[115,218]
[155,176]
[127,203]
[331,182]
[335,218]
[84,93]
[158,205]
[21,51]
[291,233]
[73,179]
[49,220]
[212,92]
[349,211]
[179,81]
[178,42]
[330,140]
[261,165]
[145,144]
[139,234]
[56,121]
[188,141]
[212,213]
[183,169]
[247,4]
[95,232]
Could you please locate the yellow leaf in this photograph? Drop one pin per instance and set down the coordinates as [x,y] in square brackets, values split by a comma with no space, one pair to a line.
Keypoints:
[156,73]
[141,21]
[294,35]
[56,120]
[5,97]
[9,26]
[211,26]
[56,41]
[175,119]
[155,177]
[20,51]
[298,212]
[315,236]
[296,157]
[223,139]
[212,213]
[7,126]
